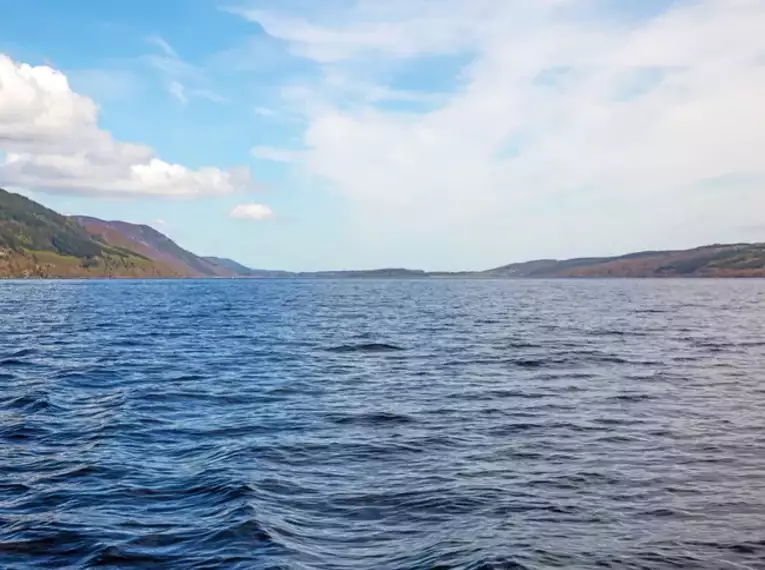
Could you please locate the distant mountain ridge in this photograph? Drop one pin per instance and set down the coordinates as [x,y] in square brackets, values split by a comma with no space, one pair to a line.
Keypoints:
[719,260]
[240,270]
[36,241]
[233,267]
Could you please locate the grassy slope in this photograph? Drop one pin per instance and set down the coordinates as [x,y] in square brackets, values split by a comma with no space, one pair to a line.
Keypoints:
[38,242]
[49,264]
[153,245]
[26,225]
[745,260]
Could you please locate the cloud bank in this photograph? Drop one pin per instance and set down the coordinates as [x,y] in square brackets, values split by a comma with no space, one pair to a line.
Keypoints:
[572,126]
[50,141]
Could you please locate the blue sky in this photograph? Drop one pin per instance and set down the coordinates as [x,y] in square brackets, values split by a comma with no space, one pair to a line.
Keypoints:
[456,134]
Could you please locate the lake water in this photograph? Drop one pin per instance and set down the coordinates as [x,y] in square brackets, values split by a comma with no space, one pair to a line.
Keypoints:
[382,424]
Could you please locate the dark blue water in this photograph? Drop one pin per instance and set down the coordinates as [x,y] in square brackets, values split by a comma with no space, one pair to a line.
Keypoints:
[382,424]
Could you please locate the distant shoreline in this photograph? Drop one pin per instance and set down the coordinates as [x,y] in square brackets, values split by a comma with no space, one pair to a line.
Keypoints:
[39,243]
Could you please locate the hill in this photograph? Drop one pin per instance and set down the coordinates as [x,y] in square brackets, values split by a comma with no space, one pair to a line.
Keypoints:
[38,242]
[719,260]
[153,245]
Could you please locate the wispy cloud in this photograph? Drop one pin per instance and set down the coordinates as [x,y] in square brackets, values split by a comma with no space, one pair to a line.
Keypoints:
[161,226]
[183,80]
[371,29]
[164,46]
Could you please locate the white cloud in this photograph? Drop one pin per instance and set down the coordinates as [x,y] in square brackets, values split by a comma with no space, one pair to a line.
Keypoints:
[52,142]
[573,130]
[161,226]
[163,45]
[251,212]
[401,28]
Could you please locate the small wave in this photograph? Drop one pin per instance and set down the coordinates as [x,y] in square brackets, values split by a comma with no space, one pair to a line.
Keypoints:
[46,541]
[611,359]
[249,531]
[754,547]
[616,333]
[608,332]
[79,472]
[711,346]
[522,394]
[529,363]
[29,403]
[366,347]
[128,342]
[120,556]
[188,378]
[746,547]
[532,507]
[661,512]
[16,362]
[497,565]
[23,352]
[512,428]
[206,490]
[373,419]
[632,397]
[518,345]
[14,488]
[21,433]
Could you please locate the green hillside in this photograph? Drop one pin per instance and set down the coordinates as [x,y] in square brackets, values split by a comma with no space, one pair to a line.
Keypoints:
[38,242]
[26,225]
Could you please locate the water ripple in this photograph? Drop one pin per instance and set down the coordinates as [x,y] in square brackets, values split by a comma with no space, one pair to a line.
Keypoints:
[472,425]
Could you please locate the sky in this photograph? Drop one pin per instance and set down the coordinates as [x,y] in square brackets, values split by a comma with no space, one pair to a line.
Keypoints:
[433,134]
